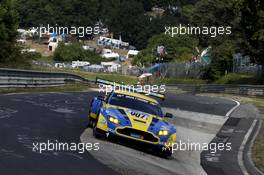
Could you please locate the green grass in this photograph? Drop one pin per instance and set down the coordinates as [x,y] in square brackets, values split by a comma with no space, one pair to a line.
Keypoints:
[90,75]
[46,59]
[233,78]
[227,79]
[180,81]
[112,77]
[123,78]
[15,65]
[66,88]
[257,151]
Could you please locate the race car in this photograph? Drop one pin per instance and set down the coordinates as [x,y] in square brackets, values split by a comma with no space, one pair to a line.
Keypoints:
[133,117]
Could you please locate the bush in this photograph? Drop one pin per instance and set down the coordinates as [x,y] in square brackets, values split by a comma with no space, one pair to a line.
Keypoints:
[72,52]
[18,59]
[210,73]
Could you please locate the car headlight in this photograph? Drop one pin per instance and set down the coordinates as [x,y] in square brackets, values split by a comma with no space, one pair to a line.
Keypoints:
[113,120]
[163,133]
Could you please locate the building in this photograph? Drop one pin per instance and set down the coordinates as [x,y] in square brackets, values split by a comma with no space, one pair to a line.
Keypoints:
[111,66]
[112,43]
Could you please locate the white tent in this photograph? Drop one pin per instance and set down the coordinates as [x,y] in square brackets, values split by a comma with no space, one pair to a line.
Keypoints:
[78,63]
[132,52]
[145,75]
[110,55]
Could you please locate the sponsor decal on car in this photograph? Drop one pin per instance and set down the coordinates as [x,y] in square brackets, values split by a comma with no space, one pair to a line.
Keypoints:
[138,114]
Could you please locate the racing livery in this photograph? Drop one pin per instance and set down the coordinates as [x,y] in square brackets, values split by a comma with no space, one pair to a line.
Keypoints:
[134,117]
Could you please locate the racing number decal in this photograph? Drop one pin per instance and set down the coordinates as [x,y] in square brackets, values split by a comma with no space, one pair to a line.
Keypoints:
[139,115]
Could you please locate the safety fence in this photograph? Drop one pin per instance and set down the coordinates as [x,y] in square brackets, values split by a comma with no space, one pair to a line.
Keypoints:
[247,90]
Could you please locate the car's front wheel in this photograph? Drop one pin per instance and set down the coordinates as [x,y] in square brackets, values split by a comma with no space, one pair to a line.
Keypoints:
[166,153]
[91,122]
[98,133]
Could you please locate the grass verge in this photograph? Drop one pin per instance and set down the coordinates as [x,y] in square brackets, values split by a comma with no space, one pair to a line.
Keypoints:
[90,75]
[257,150]
[121,78]
[180,81]
[234,78]
[65,88]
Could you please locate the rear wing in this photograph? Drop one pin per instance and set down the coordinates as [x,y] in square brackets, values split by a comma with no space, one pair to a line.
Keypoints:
[130,88]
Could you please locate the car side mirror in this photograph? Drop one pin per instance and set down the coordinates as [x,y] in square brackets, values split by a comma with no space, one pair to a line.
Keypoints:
[168,115]
[102,98]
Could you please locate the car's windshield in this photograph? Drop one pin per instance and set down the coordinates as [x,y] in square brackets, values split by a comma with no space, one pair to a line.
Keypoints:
[136,103]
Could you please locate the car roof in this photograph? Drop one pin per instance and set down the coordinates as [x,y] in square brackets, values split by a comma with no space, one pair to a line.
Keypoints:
[138,95]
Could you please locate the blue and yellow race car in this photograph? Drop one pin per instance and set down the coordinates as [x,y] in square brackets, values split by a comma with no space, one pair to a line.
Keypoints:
[133,117]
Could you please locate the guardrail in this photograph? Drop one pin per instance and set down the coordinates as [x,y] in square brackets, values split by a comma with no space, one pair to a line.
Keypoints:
[248,90]
[13,78]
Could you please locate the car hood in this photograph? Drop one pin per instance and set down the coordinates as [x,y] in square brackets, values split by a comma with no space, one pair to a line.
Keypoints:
[138,119]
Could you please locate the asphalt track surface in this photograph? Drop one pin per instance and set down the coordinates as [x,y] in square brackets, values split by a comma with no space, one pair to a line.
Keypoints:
[29,118]
[201,104]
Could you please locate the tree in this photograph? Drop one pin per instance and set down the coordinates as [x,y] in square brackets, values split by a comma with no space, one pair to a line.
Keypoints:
[251,13]
[11,54]
[147,4]
[219,13]
[64,13]
[222,61]
[124,18]
[73,52]
[178,49]
[127,20]
[206,13]
[8,31]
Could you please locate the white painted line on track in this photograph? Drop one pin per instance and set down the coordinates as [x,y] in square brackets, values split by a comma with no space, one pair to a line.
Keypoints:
[242,147]
[249,154]
[231,110]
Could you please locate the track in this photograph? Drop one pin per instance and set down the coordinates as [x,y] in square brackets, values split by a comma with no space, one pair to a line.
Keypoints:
[28,118]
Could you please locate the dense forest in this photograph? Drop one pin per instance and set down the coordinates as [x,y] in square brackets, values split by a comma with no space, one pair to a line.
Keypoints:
[133,20]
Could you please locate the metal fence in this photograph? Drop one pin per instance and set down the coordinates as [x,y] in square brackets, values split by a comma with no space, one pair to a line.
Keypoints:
[247,90]
[254,69]
[179,70]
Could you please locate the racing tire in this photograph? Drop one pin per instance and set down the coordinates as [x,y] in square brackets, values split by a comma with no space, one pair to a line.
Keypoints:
[165,153]
[90,122]
[97,133]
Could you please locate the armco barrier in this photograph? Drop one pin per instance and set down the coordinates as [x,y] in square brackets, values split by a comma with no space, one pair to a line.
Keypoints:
[13,78]
[248,90]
